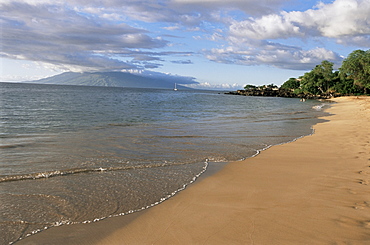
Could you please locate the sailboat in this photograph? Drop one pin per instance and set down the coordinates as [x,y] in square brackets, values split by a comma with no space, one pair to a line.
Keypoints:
[175,89]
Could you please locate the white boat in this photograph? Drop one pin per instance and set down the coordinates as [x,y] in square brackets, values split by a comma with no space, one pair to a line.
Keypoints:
[175,87]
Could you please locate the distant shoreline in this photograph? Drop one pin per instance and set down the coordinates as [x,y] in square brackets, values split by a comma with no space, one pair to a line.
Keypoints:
[283,93]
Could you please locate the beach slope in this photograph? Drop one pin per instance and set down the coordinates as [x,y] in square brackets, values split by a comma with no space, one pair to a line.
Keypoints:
[315,190]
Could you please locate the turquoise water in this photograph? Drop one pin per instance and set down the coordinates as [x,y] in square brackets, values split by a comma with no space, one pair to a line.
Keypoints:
[74,154]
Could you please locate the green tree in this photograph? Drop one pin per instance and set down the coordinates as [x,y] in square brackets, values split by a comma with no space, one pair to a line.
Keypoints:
[324,74]
[319,80]
[357,67]
[271,86]
[292,83]
[344,85]
[308,83]
[249,87]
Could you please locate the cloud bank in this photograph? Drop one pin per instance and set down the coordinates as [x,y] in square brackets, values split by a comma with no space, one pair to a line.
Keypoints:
[107,35]
[345,21]
[342,18]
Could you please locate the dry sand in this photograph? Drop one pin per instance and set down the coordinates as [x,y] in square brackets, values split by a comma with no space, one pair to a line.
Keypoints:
[315,190]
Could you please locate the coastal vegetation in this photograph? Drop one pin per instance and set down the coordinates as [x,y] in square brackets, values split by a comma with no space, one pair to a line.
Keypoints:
[352,78]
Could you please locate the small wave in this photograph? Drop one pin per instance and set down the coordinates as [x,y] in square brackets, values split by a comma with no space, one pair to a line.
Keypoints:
[217,159]
[258,151]
[318,107]
[41,175]
[56,173]
[69,222]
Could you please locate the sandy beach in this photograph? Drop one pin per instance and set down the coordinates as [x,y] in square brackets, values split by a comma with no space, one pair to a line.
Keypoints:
[315,190]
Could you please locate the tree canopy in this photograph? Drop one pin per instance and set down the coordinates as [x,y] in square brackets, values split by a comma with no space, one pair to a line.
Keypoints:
[353,77]
[292,83]
[357,67]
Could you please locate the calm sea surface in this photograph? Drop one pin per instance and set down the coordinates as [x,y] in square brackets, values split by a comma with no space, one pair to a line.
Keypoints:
[72,154]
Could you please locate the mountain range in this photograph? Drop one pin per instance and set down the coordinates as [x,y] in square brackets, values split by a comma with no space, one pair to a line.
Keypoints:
[116,79]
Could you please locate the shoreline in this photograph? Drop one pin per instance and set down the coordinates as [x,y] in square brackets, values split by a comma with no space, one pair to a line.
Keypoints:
[313,190]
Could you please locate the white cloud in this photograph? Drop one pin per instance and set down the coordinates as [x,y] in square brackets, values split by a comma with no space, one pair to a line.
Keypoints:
[338,19]
[130,34]
[283,57]
[18,78]
[360,41]
[341,18]
[69,39]
[267,27]
[223,86]
[346,21]
[171,28]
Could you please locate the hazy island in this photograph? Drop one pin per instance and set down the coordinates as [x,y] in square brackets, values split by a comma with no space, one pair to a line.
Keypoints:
[118,79]
[352,78]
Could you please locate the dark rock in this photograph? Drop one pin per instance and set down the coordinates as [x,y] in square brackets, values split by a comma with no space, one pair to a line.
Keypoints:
[269,92]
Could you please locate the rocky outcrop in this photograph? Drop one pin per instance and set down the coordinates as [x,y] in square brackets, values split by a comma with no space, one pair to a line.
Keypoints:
[270,92]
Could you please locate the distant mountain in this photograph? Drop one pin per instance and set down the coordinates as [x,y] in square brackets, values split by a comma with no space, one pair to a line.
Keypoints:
[113,79]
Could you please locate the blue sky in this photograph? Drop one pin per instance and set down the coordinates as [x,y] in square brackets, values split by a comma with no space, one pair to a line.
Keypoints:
[209,43]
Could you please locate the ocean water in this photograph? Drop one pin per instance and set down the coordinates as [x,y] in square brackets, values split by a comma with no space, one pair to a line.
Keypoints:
[74,154]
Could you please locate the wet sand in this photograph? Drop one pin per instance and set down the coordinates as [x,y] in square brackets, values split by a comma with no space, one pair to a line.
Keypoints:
[315,190]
